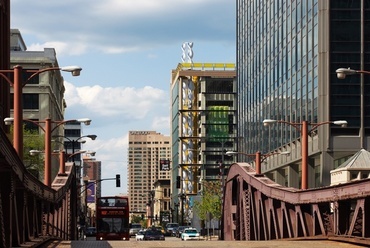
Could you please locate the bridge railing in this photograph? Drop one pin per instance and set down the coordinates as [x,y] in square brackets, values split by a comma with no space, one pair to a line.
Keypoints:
[256,208]
[29,209]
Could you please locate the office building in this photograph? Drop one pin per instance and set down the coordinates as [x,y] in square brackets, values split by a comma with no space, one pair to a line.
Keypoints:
[149,164]
[287,56]
[43,94]
[203,106]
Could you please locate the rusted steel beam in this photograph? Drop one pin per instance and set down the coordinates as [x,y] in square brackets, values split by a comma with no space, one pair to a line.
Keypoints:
[26,211]
[351,190]
[279,212]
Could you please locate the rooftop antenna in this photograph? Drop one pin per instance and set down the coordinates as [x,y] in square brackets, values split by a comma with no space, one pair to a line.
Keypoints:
[187,52]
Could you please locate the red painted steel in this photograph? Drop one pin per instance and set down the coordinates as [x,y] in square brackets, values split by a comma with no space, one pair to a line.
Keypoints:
[257,208]
[29,209]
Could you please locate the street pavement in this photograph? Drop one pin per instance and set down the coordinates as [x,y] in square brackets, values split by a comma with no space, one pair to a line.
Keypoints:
[172,242]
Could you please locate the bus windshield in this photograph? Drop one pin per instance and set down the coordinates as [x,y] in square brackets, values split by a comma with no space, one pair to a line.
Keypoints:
[112,225]
[112,218]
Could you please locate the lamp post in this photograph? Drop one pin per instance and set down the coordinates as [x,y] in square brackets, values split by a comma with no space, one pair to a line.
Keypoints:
[150,206]
[176,204]
[74,141]
[182,197]
[63,157]
[341,74]
[302,127]
[47,130]
[259,158]
[17,85]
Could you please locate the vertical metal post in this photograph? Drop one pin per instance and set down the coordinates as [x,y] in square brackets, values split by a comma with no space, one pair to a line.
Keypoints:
[47,164]
[182,209]
[362,86]
[86,185]
[18,111]
[177,212]
[258,163]
[62,168]
[304,146]
[222,188]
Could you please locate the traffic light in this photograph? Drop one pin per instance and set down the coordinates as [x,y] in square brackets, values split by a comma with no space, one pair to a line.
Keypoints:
[118,180]
[178,182]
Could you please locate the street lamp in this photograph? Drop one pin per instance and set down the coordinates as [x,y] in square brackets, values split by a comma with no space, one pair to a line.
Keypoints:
[74,141]
[302,127]
[259,158]
[48,130]
[63,157]
[150,206]
[341,74]
[17,85]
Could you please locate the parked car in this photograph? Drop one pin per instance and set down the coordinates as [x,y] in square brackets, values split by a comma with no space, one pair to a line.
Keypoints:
[170,227]
[140,235]
[190,234]
[90,232]
[152,234]
[135,228]
[159,228]
[179,231]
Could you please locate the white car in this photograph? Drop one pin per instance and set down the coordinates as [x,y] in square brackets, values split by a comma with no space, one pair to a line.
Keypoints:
[140,235]
[190,234]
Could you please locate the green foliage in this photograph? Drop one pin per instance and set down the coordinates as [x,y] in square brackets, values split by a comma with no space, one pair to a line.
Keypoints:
[211,201]
[32,140]
[136,219]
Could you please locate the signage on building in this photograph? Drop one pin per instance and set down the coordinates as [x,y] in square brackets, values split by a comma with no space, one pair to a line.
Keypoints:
[165,164]
[90,191]
[139,132]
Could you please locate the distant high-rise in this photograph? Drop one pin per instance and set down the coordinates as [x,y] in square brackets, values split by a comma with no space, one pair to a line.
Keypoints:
[287,56]
[203,108]
[146,149]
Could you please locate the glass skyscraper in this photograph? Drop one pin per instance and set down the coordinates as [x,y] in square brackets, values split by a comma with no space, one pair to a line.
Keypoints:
[287,55]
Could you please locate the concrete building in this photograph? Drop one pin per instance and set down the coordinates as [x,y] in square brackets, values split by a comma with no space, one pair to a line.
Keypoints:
[149,165]
[43,95]
[287,56]
[203,106]
[355,168]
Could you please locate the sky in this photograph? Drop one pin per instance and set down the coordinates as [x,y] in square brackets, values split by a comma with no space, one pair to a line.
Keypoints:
[127,49]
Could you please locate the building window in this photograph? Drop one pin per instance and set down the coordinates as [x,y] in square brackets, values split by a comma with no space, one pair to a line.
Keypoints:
[26,77]
[30,101]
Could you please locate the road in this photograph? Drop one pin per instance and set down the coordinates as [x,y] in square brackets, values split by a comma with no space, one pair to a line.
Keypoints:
[172,242]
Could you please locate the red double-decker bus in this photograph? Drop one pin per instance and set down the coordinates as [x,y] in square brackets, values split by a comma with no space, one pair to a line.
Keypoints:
[112,218]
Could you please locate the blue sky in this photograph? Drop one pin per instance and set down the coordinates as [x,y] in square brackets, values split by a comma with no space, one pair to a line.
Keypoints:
[127,49]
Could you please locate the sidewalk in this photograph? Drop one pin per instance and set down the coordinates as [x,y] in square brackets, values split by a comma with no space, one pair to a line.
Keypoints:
[209,238]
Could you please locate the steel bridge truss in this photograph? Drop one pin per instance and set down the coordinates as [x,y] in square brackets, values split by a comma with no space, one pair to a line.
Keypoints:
[29,210]
[256,208]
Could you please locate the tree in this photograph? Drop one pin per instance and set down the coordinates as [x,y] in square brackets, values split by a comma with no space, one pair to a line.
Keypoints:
[211,201]
[136,218]
[32,140]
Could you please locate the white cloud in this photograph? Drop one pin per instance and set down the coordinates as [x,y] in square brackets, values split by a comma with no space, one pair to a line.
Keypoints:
[64,48]
[118,26]
[161,123]
[113,101]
